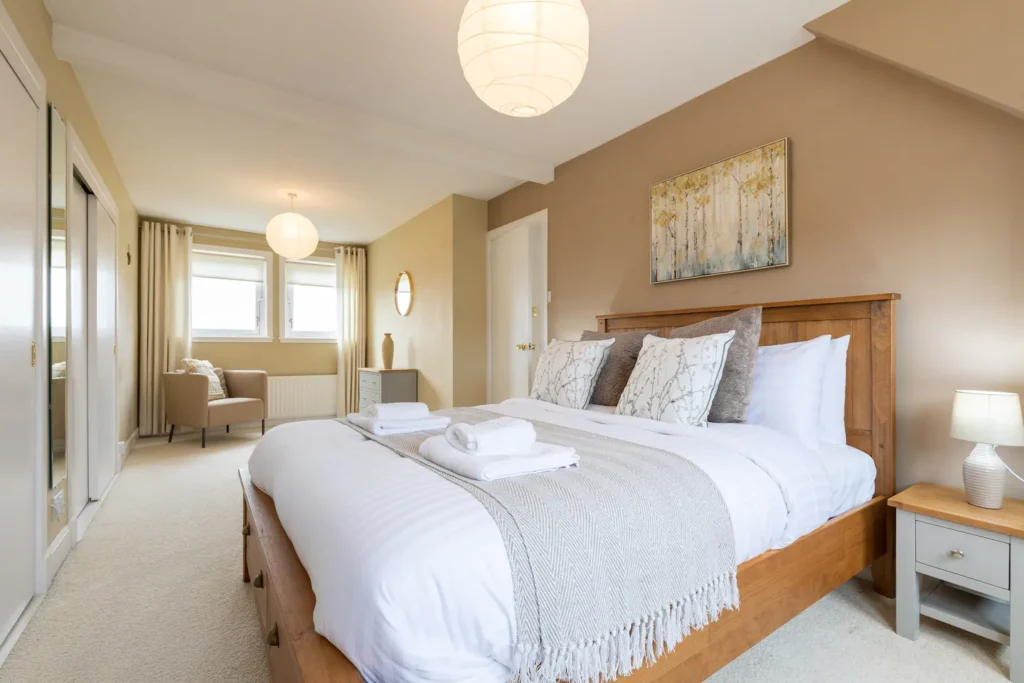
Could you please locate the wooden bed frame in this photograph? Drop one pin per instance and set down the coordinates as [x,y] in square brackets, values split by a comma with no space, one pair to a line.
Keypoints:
[774,587]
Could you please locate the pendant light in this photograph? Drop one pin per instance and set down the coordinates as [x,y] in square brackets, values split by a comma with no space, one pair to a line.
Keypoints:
[292,235]
[524,57]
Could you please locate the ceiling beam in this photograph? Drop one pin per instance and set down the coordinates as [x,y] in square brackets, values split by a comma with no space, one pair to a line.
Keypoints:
[88,50]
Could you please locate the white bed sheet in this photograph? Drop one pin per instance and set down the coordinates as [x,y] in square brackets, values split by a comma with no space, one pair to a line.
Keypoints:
[409,570]
[852,475]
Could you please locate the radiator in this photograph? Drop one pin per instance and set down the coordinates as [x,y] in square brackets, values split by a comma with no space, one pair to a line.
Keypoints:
[296,397]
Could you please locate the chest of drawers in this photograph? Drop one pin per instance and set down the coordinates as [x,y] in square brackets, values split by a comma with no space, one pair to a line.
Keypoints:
[386,386]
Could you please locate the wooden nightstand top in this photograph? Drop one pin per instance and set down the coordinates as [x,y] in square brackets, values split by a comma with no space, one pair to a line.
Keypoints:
[382,371]
[951,505]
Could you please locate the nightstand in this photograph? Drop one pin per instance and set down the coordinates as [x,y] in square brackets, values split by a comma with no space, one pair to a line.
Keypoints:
[386,386]
[976,554]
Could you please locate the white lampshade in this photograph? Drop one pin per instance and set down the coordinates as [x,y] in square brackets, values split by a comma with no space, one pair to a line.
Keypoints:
[524,57]
[292,235]
[988,417]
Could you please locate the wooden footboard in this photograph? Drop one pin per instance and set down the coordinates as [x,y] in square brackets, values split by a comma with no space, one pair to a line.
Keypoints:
[774,587]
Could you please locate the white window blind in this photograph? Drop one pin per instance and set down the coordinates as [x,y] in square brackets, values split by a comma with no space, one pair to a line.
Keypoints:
[310,300]
[229,294]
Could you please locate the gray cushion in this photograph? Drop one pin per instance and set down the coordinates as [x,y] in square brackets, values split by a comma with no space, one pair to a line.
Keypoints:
[617,366]
[730,404]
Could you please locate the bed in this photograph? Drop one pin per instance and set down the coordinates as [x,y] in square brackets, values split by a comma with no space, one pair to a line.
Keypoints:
[774,584]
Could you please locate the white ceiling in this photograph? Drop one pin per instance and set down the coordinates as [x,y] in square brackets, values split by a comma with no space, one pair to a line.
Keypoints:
[213,108]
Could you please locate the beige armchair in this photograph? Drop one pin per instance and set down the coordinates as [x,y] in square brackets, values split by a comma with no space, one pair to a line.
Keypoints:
[187,403]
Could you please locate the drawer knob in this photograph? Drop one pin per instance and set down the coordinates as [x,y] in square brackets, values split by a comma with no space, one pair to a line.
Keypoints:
[272,638]
[956,554]
[245,529]
[258,581]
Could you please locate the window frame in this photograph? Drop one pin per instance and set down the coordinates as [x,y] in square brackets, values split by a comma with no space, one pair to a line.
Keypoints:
[284,296]
[265,310]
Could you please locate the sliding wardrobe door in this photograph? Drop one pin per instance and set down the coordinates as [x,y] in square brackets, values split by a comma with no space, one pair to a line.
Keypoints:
[102,365]
[77,345]
[20,194]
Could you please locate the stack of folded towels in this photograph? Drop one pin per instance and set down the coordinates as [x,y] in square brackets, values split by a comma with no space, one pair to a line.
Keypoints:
[389,419]
[496,449]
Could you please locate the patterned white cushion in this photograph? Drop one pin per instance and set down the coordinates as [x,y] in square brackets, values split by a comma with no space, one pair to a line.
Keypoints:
[567,372]
[194,366]
[675,380]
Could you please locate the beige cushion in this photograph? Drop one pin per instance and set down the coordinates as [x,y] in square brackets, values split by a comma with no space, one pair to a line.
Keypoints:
[730,404]
[228,411]
[194,366]
[617,366]
[223,382]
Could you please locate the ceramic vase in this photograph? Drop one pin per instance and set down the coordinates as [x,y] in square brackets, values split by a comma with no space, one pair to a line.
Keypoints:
[387,351]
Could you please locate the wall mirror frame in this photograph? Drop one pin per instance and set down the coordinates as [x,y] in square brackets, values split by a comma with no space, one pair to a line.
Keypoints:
[58,295]
[403,293]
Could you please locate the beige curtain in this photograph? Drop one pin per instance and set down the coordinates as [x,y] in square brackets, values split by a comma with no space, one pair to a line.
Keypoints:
[165,317]
[351,262]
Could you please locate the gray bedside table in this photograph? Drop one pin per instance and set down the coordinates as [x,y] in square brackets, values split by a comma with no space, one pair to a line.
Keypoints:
[976,554]
[387,386]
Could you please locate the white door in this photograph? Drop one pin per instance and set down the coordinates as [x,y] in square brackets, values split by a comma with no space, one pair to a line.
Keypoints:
[102,366]
[517,306]
[19,203]
[77,344]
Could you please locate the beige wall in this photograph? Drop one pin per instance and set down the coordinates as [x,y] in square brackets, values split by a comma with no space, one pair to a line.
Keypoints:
[276,357]
[897,184]
[423,339]
[444,335]
[62,89]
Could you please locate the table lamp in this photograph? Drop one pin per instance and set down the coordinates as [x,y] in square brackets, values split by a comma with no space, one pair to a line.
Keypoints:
[989,419]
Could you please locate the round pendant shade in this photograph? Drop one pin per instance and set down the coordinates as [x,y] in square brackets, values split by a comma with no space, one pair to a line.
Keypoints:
[524,57]
[292,235]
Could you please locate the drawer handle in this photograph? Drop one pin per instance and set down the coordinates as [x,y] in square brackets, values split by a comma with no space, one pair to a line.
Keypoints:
[956,554]
[245,529]
[258,581]
[272,639]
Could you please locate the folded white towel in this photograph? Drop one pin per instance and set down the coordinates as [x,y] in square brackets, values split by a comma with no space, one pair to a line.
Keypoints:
[542,457]
[503,436]
[397,411]
[393,427]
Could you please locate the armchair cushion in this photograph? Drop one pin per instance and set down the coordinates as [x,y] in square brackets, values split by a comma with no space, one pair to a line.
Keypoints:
[229,411]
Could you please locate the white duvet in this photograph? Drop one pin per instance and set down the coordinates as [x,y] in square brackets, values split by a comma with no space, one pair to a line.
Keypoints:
[411,579]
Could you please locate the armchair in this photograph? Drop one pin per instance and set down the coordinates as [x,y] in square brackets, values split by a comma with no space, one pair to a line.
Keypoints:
[187,402]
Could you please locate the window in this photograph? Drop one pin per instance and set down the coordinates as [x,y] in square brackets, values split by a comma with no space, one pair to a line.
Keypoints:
[310,300]
[229,293]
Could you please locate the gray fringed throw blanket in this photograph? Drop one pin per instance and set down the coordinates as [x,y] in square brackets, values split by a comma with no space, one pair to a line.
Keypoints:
[613,562]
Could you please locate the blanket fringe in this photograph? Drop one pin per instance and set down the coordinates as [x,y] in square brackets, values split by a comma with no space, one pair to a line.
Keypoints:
[622,651]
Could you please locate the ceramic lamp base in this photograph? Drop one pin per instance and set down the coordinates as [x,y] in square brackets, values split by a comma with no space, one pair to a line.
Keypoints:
[984,477]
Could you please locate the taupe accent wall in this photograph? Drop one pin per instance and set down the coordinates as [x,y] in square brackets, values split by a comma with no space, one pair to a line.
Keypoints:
[897,184]
[445,334]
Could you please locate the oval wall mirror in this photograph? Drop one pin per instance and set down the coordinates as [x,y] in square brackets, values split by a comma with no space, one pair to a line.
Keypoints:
[403,293]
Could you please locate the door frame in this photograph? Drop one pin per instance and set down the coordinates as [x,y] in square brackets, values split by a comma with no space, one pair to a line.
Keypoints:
[538,219]
[82,169]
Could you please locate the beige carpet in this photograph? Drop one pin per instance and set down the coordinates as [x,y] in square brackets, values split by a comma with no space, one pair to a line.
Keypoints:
[153,594]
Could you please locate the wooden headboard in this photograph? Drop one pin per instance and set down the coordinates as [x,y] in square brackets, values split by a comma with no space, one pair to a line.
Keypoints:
[870,363]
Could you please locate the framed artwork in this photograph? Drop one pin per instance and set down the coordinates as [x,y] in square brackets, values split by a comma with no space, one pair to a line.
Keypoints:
[724,218]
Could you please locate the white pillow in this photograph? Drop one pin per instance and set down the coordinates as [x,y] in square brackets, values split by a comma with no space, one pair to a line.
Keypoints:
[675,380]
[832,421]
[567,372]
[786,395]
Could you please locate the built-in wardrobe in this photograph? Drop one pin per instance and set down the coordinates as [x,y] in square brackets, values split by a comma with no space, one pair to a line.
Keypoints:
[58,315]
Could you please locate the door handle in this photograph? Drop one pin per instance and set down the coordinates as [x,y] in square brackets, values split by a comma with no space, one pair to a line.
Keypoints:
[528,346]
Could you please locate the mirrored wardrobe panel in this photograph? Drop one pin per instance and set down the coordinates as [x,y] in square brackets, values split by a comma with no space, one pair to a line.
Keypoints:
[58,322]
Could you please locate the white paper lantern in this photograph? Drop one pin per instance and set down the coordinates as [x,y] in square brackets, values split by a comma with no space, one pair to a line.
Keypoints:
[524,57]
[292,235]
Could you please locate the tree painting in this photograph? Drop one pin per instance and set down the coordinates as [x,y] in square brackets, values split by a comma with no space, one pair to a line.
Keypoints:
[723,218]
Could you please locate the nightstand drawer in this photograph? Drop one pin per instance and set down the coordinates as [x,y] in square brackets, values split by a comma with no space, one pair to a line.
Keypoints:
[369,380]
[959,552]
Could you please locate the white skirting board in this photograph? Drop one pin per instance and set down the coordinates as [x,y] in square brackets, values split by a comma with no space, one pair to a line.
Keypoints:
[293,397]
[124,449]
